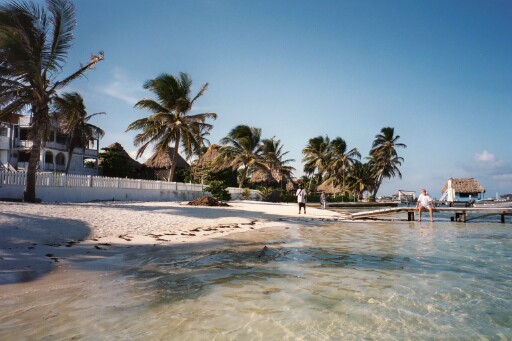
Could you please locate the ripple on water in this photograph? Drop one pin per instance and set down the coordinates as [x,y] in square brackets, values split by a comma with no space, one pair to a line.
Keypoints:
[339,281]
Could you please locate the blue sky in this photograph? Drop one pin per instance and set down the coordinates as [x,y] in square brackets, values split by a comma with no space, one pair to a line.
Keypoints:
[439,72]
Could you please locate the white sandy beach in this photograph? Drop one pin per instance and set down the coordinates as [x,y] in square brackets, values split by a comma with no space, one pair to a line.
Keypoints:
[39,238]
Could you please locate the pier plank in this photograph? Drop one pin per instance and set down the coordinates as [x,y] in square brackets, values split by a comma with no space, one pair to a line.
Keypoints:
[461,213]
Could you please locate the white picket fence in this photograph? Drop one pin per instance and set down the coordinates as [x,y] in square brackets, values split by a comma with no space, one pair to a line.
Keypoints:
[76,180]
[87,187]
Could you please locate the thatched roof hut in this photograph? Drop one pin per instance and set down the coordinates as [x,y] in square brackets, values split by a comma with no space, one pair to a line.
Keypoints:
[262,176]
[328,187]
[117,149]
[164,161]
[463,186]
[209,157]
[265,177]
[292,185]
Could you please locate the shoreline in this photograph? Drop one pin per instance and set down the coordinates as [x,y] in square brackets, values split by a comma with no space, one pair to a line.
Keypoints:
[38,239]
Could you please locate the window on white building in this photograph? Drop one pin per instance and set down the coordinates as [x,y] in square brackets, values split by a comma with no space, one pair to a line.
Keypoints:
[90,162]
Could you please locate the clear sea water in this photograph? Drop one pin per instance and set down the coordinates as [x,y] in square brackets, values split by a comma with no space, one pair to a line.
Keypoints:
[386,280]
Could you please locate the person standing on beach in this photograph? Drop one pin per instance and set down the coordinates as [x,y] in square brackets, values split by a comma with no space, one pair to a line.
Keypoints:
[323,200]
[425,202]
[301,198]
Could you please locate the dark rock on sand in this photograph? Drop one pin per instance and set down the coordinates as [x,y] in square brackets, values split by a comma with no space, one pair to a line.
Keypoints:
[207,201]
[263,252]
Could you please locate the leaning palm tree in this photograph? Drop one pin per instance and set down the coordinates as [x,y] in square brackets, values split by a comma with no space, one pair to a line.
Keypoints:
[242,148]
[171,122]
[384,158]
[274,157]
[71,113]
[34,43]
[341,160]
[316,156]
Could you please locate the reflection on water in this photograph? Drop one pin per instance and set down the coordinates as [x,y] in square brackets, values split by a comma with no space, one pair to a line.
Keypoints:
[385,280]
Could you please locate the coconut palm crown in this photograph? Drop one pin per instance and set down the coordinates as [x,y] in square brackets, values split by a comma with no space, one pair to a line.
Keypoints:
[341,160]
[74,121]
[275,157]
[384,158]
[316,156]
[242,148]
[34,44]
[170,123]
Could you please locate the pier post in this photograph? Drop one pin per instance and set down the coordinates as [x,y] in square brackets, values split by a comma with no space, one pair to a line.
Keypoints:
[460,217]
[503,219]
[410,216]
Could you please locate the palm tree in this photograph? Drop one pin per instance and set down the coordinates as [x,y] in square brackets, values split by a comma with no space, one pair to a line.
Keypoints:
[274,157]
[341,160]
[171,121]
[360,179]
[384,158]
[70,111]
[317,156]
[34,44]
[242,148]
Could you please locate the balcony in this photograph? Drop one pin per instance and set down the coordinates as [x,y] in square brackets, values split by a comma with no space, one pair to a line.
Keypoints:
[56,145]
[22,143]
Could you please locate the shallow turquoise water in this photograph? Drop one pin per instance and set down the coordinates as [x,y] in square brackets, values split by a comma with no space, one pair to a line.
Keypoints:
[381,280]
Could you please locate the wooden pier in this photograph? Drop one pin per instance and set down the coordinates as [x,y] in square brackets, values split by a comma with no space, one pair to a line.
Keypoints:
[461,214]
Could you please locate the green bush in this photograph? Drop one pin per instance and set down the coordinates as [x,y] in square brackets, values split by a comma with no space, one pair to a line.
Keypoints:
[218,190]
[288,197]
[246,194]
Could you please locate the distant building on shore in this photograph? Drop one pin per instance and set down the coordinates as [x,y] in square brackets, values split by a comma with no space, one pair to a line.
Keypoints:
[15,148]
[462,189]
[506,196]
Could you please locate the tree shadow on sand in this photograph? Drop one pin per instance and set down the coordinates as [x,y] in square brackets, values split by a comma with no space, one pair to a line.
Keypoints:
[29,245]
[185,210]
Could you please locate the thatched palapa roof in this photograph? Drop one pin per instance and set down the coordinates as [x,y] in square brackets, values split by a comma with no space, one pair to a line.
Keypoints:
[261,176]
[164,161]
[265,176]
[209,157]
[464,185]
[117,149]
[328,187]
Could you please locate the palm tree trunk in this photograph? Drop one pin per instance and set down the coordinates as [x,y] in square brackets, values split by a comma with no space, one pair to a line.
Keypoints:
[244,175]
[71,149]
[29,195]
[376,188]
[174,157]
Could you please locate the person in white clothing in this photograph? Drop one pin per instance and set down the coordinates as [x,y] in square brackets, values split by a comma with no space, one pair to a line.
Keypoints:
[301,198]
[323,200]
[425,202]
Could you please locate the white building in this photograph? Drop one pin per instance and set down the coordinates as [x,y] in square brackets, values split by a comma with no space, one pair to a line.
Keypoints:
[15,151]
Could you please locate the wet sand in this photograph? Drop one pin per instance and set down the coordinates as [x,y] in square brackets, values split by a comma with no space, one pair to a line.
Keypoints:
[38,239]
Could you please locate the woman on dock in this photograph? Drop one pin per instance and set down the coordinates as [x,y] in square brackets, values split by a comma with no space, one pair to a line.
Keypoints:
[425,202]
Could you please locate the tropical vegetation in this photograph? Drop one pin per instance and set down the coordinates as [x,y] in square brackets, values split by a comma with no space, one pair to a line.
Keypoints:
[330,162]
[74,121]
[34,44]
[171,124]
[243,149]
[384,160]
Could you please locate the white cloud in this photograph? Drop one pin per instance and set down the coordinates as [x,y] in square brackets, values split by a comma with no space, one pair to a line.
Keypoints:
[486,158]
[121,87]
